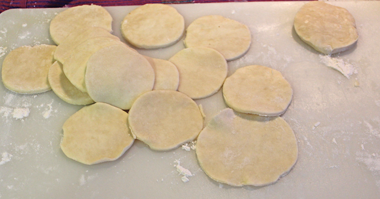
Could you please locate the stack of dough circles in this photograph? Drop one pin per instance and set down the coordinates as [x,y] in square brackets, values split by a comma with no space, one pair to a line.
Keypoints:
[25,69]
[165,119]
[328,29]
[241,149]
[229,37]
[202,71]
[118,75]
[153,26]
[257,90]
[77,19]
[167,76]
[96,133]
[64,89]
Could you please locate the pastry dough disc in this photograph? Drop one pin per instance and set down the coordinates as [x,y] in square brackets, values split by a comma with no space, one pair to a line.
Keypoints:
[25,69]
[229,37]
[257,90]
[167,76]
[202,71]
[240,149]
[64,89]
[328,29]
[153,26]
[118,75]
[78,19]
[95,134]
[165,119]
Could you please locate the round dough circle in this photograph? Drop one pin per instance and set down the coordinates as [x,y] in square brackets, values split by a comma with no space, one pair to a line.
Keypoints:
[229,37]
[165,119]
[118,75]
[64,89]
[257,90]
[328,29]
[242,149]
[167,76]
[25,69]
[153,26]
[202,71]
[78,19]
[95,134]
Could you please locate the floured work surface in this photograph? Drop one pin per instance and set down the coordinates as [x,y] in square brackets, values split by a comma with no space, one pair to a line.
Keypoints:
[336,120]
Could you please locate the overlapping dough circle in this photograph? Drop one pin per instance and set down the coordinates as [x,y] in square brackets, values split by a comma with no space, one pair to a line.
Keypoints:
[242,149]
[167,76]
[165,119]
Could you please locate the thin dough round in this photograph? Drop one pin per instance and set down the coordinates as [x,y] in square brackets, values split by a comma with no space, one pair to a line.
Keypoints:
[96,133]
[118,75]
[167,76]
[78,19]
[328,29]
[257,90]
[231,38]
[242,149]
[202,71]
[64,89]
[153,26]
[25,69]
[165,119]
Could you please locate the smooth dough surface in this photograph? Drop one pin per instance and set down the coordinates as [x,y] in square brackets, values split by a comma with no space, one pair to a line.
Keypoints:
[78,19]
[118,75]
[202,71]
[167,76]
[328,29]
[257,90]
[96,133]
[165,119]
[64,89]
[229,37]
[153,26]
[25,69]
[241,149]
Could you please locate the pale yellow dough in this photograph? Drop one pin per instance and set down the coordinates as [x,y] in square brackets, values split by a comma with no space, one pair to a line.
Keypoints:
[153,26]
[165,119]
[64,89]
[167,76]
[202,71]
[229,37]
[25,69]
[257,90]
[96,133]
[328,29]
[241,149]
[78,19]
[118,75]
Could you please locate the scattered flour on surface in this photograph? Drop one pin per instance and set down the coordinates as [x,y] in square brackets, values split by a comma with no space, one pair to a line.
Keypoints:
[316,125]
[24,35]
[82,180]
[5,157]
[340,65]
[372,161]
[185,173]
[189,146]
[3,50]
[47,113]
[20,113]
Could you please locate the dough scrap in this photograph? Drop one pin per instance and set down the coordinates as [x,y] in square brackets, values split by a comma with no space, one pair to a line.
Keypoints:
[167,76]
[165,119]
[25,69]
[78,19]
[153,26]
[241,149]
[257,90]
[231,38]
[96,133]
[118,75]
[202,71]
[64,89]
[328,29]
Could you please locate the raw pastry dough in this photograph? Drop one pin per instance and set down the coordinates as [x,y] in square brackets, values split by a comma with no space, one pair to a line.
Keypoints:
[78,19]
[257,90]
[25,69]
[153,26]
[167,76]
[328,29]
[229,37]
[241,149]
[202,71]
[64,89]
[165,119]
[95,134]
[118,75]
